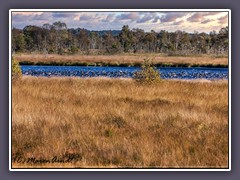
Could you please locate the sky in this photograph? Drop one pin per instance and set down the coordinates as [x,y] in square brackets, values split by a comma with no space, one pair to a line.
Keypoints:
[157,21]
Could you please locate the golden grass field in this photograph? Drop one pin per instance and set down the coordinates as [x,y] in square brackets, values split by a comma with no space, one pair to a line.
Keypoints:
[125,59]
[119,123]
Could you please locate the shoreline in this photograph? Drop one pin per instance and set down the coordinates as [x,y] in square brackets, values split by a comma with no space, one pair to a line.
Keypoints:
[203,80]
[122,60]
[100,64]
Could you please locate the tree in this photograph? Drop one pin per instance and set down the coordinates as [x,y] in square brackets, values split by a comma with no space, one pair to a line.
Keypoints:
[57,38]
[223,39]
[61,36]
[163,41]
[93,39]
[138,40]
[126,38]
[111,44]
[185,44]
[150,41]
[18,40]
[83,40]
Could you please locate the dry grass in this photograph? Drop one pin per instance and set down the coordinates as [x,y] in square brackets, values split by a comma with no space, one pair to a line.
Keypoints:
[118,123]
[128,59]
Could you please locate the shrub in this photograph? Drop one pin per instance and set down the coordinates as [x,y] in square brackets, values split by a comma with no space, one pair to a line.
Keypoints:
[109,133]
[148,73]
[73,50]
[16,70]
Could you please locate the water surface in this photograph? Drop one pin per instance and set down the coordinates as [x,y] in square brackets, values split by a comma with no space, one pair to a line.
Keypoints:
[124,72]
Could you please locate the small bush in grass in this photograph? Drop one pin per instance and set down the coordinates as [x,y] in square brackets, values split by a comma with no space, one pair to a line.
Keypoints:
[148,73]
[109,133]
[16,70]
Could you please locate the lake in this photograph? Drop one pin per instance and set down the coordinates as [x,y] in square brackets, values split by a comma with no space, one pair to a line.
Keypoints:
[124,72]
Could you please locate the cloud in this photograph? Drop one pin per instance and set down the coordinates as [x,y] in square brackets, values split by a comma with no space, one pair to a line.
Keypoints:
[145,17]
[92,17]
[200,16]
[211,13]
[197,17]
[109,17]
[128,16]
[147,21]
[171,16]
[223,20]
[36,19]
[155,20]
[64,15]
[18,17]
[178,22]
[85,17]
[43,16]
[31,17]
[206,21]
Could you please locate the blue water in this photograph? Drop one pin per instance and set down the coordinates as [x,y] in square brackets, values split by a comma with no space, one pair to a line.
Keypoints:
[124,72]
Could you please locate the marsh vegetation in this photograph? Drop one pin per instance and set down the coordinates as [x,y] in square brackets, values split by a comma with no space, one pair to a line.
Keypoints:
[121,123]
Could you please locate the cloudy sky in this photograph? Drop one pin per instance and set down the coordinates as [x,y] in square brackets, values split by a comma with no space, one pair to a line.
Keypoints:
[170,21]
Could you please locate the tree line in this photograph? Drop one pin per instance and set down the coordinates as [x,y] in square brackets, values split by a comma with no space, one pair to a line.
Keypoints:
[57,38]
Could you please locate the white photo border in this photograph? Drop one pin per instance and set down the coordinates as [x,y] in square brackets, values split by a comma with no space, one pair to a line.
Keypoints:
[119,169]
